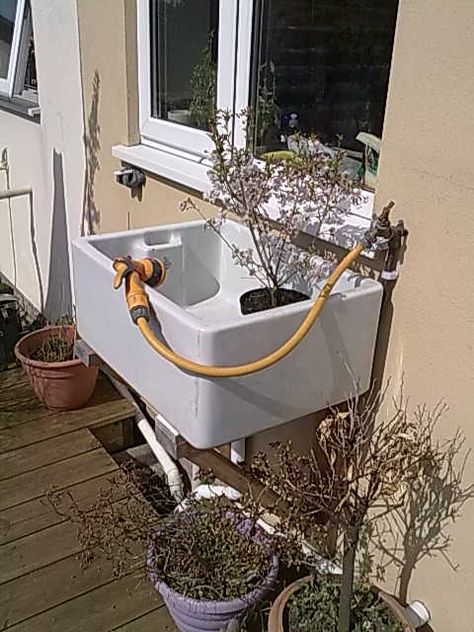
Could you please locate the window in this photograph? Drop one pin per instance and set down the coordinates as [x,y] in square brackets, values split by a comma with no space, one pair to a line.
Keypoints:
[17,52]
[184,54]
[313,66]
[187,59]
[322,68]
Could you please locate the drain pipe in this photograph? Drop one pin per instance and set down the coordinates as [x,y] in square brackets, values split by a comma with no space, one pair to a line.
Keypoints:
[169,467]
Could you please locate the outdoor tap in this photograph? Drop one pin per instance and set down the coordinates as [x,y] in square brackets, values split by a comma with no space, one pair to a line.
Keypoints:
[380,228]
[388,237]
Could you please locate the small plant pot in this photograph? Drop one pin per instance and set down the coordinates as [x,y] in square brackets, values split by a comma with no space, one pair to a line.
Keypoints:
[58,385]
[277,620]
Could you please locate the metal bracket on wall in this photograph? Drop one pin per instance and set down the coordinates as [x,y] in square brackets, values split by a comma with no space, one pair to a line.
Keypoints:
[130,177]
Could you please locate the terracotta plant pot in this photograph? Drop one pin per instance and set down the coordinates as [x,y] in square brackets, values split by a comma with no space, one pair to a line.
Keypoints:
[58,385]
[277,617]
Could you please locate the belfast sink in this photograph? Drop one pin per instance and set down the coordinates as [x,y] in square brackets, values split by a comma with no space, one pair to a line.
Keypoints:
[197,313]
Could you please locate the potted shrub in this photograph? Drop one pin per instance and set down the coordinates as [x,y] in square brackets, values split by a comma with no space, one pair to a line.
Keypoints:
[360,472]
[59,379]
[210,561]
[236,288]
[313,190]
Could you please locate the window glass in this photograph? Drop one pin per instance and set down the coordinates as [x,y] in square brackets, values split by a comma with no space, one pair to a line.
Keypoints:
[30,83]
[184,60]
[320,67]
[7,25]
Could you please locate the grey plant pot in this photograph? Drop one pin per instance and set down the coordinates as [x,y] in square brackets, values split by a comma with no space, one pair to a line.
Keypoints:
[199,615]
[196,615]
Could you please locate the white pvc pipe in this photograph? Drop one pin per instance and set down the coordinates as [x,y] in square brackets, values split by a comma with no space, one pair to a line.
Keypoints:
[237,451]
[417,614]
[170,469]
[9,193]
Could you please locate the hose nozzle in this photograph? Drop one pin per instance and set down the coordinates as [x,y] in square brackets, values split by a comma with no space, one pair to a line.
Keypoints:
[151,271]
[135,272]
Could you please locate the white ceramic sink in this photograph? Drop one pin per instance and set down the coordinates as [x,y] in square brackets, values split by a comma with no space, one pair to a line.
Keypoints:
[199,316]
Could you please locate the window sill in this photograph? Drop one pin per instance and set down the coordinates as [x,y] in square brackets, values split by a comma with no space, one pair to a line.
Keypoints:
[23,107]
[177,166]
[191,171]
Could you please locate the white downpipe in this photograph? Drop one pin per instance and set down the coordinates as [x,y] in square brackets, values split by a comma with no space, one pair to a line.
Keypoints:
[10,193]
[170,469]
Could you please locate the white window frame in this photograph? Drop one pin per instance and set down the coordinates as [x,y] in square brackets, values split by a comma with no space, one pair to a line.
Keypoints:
[180,152]
[7,85]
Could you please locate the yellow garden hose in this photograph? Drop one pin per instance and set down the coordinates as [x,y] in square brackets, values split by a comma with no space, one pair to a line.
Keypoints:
[137,301]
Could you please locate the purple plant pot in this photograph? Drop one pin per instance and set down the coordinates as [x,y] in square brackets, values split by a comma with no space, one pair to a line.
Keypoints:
[199,615]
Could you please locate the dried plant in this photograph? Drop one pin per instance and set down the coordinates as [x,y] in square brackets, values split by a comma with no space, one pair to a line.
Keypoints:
[54,349]
[311,190]
[362,468]
[213,549]
[116,526]
[59,347]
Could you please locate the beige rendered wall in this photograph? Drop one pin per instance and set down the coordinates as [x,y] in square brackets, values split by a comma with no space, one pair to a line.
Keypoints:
[428,168]
[109,78]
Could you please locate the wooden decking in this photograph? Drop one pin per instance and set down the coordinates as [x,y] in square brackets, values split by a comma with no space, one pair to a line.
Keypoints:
[42,587]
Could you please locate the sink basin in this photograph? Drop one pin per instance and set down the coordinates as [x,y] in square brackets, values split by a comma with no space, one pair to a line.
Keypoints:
[198,315]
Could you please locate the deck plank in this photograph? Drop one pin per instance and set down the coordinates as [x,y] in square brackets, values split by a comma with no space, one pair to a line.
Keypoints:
[42,584]
[13,414]
[100,610]
[48,587]
[37,514]
[30,485]
[62,423]
[32,457]
[20,405]
[37,550]
[157,620]
[29,422]
[13,377]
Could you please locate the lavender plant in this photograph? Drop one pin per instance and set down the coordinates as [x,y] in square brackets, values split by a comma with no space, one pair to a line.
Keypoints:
[311,190]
